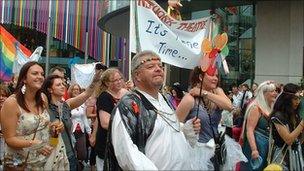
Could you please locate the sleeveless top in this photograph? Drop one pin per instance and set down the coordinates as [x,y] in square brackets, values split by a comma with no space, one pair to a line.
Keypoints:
[263,125]
[26,126]
[206,128]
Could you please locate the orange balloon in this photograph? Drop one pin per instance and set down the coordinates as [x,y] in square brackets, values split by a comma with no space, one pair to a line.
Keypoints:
[216,40]
[220,41]
[206,46]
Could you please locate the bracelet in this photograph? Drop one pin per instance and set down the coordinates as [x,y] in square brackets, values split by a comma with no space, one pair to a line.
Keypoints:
[204,94]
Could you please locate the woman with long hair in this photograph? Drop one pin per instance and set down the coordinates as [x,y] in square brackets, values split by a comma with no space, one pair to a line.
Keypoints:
[80,125]
[256,126]
[176,95]
[208,107]
[287,126]
[54,89]
[111,90]
[25,121]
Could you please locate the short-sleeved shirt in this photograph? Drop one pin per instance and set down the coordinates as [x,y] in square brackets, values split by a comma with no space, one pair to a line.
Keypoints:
[105,102]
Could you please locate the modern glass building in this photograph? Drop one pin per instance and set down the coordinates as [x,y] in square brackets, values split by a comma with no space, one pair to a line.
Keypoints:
[265,37]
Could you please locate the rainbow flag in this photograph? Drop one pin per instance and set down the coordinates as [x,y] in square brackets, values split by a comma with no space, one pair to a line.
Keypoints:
[8,53]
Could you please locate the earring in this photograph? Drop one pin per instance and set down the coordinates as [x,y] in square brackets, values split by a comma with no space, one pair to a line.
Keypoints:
[23,89]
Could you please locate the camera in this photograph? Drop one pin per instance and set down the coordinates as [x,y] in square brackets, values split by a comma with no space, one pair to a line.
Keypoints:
[100,66]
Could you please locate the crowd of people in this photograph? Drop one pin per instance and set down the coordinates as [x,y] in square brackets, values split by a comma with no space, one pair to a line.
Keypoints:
[139,124]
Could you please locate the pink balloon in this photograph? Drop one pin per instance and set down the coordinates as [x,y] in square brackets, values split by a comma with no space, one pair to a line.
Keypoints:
[205,62]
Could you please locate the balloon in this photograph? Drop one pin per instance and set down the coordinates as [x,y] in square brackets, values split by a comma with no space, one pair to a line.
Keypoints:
[212,60]
[220,41]
[211,70]
[205,62]
[206,46]
[212,66]
[213,53]
[225,51]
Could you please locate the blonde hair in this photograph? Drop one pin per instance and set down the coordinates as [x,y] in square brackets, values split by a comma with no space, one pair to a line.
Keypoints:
[105,78]
[260,100]
[70,90]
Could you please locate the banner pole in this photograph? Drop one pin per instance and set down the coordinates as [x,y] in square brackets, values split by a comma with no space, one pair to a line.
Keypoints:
[48,37]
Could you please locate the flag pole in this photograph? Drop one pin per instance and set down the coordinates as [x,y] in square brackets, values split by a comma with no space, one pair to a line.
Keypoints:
[2,15]
[48,40]
[87,35]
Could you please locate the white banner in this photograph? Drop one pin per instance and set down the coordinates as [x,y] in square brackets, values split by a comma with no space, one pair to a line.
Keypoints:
[82,74]
[177,42]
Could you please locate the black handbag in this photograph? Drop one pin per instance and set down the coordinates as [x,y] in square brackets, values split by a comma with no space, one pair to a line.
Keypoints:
[220,152]
[220,149]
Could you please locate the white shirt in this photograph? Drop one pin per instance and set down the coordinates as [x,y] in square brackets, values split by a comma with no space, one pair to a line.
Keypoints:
[237,99]
[166,149]
[78,116]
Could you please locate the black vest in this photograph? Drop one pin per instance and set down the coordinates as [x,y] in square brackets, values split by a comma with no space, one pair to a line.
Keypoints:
[138,123]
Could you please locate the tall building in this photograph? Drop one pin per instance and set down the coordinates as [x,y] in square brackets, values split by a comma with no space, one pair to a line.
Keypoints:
[265,37]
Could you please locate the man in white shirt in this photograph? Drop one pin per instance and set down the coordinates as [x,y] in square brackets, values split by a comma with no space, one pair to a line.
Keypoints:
[246,94]
[145,133]
[236,97]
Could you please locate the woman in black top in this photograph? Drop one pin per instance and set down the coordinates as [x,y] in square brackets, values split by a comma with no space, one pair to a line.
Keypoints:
[286,129]
[111,91]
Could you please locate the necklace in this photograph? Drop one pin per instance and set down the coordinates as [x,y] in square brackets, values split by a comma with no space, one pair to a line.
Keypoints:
[172,123]
[207,105]
[164,113]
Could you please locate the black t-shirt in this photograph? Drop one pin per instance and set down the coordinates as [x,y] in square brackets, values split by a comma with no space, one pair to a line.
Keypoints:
[105,102]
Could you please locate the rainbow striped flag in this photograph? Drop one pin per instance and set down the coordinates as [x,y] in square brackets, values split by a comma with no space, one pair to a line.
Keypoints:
[8,53]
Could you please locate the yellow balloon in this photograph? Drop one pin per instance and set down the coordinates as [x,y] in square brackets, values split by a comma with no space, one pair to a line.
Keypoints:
[274,167]
[206,46]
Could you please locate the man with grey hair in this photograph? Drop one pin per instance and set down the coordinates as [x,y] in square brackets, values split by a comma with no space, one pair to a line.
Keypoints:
[144,132]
